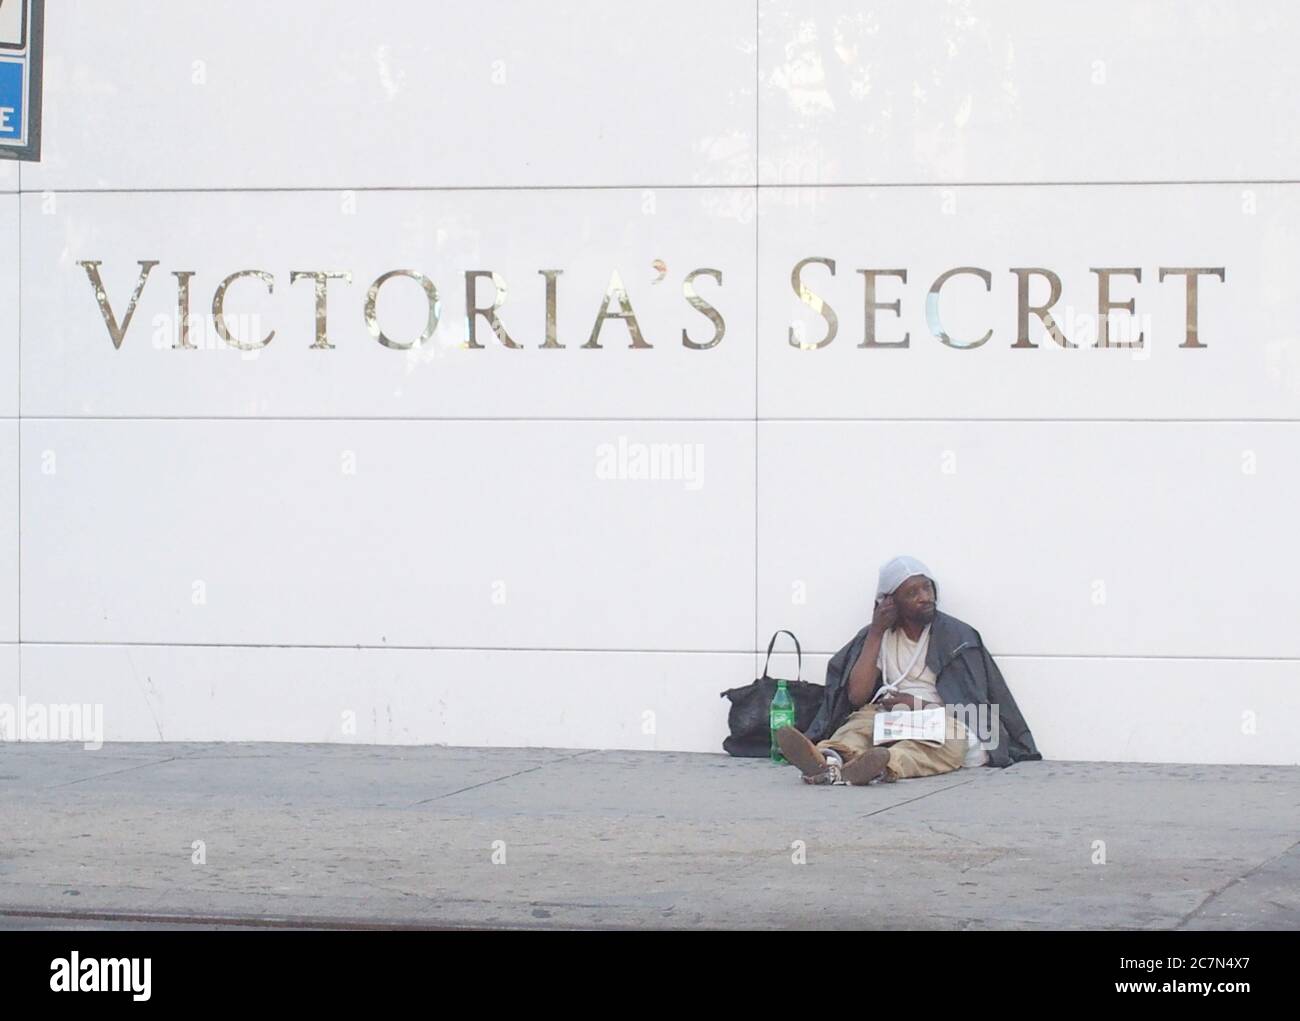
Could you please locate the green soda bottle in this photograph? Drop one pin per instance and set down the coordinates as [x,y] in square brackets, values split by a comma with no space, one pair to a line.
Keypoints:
[780,715]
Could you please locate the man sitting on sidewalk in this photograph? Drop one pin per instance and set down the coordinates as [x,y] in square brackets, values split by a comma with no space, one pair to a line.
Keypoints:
[910,656]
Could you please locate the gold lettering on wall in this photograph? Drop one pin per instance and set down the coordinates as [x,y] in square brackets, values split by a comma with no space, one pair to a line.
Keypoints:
[322,279]
[1192,273]
[871,305]
[1105,305]
[183,278]
[616,304]
[932,305]
[704,308]
[473,311]
[1023,308]
[616,290]
[219,308]
[814,302]
[550,275]
[116,332]
[372,305]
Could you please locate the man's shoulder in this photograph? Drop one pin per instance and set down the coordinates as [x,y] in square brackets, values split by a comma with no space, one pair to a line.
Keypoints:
[952,632]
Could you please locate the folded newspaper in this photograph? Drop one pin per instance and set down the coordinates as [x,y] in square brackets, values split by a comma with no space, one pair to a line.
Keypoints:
[928,725]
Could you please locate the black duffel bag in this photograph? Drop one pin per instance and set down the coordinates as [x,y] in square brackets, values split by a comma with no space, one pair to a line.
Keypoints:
[749,717]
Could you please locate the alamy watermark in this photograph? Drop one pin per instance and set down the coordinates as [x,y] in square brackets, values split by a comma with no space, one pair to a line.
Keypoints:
[659,462]
[49,721]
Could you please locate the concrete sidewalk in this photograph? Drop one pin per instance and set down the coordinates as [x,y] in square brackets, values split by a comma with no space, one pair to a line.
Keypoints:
[401,836]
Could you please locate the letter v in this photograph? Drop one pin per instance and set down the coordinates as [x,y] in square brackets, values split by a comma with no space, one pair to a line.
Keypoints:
[117,333]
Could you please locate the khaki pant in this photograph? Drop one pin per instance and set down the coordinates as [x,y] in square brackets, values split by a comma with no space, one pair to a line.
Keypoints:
[907,759]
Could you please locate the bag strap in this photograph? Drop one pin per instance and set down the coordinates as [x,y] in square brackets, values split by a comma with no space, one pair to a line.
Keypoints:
[797,649]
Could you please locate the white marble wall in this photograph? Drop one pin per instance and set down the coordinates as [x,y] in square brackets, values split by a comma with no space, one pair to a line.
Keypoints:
[427,546]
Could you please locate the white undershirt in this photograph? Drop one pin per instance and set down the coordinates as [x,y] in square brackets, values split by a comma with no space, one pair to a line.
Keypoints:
[903,669]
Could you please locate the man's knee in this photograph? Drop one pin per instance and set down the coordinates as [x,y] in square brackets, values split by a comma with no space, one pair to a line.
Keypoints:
[909,763]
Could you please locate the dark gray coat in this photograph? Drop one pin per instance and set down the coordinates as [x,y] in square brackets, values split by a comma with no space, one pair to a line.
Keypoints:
[966,675]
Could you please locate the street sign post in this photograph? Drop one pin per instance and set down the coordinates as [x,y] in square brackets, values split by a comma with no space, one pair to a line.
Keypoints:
[21,36]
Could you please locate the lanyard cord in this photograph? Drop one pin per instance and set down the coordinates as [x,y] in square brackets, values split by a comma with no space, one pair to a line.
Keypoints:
[886,684]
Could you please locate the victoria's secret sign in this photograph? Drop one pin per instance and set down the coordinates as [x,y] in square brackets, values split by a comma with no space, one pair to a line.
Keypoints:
[1029,280]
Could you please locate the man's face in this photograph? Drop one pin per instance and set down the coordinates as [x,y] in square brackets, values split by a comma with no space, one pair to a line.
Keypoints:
[915,599]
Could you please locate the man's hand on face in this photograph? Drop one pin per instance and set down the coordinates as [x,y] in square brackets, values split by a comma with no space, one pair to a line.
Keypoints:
[885,615]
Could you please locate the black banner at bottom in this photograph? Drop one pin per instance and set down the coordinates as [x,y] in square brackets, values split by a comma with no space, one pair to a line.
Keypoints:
[174,967]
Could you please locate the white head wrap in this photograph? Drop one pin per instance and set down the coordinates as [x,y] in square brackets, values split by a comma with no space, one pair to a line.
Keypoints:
[897,571]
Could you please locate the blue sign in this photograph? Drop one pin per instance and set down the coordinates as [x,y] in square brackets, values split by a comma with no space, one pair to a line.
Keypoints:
[11,99]
[21,38]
